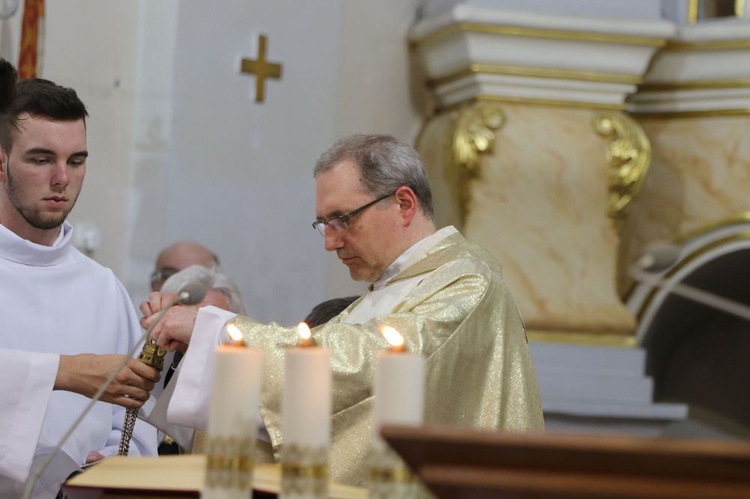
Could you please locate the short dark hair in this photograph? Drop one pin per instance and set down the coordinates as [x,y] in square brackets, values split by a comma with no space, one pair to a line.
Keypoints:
[327,310]
[8,78]
[386,164]
[41,98]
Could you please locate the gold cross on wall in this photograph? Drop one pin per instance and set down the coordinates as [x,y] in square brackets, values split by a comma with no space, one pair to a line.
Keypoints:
[262,69]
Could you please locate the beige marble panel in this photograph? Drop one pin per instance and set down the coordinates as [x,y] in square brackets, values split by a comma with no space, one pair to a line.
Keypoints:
[699,178]
[541,207]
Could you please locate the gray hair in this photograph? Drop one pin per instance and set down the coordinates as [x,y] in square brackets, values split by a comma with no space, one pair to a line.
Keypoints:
[386,164]
[213,278]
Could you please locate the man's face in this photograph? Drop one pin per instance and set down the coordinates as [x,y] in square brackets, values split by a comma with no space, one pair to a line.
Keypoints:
[366,246]
[42,176]
[179,257]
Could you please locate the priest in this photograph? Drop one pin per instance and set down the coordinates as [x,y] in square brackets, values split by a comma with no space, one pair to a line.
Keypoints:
[446,296]
[67,322]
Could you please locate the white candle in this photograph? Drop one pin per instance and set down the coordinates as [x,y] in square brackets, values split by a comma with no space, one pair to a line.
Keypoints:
[238,373]
[232,422]
[399,388]
[306,403]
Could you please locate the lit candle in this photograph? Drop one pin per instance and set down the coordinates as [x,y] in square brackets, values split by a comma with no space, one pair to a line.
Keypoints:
[306,418]
[305,335]
[399,387]
[232,422]
[399,400]
[236,337]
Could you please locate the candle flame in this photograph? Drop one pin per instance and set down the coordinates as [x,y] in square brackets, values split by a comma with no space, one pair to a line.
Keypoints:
[234,332]
[304,333]
[393,337]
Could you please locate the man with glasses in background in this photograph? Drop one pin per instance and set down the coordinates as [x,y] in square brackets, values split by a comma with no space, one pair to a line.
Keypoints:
[443,294]
[180,256]
[172,260]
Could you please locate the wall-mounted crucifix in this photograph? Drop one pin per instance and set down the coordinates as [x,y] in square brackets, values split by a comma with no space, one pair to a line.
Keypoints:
[261,68]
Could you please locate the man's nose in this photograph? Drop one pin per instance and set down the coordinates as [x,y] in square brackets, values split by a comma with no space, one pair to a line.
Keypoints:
[333,239]
[60,175]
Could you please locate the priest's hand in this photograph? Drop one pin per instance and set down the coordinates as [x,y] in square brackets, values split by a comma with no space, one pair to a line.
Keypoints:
[173,330]
[85,373]
[156,303]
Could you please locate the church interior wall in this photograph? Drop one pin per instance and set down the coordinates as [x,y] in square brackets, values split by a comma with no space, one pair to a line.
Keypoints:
[180,150]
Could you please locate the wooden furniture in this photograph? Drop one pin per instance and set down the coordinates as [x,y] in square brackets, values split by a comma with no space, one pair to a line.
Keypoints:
[470,464]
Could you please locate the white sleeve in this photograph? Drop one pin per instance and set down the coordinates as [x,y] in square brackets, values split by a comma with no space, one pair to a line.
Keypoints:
[28,380]
[190,401]
[154,411]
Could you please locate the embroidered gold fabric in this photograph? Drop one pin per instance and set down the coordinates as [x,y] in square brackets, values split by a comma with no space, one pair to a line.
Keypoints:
[461,318]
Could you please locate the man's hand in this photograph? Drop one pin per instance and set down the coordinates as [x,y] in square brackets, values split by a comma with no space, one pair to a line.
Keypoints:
[155,304]
[85,373]
[175,327]
[93,457]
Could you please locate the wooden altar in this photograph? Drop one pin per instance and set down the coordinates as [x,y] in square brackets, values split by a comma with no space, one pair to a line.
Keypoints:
[500,465]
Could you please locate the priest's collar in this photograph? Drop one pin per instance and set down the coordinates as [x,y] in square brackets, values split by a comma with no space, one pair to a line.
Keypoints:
[17,249]
[411,255]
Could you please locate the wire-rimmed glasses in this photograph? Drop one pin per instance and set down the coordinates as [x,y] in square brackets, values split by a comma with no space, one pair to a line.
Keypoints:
[339,223]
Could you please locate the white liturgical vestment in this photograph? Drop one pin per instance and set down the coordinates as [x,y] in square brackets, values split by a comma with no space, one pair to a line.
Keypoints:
[54,300]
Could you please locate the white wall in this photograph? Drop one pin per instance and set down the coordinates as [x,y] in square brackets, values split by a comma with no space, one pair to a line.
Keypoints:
[237,175]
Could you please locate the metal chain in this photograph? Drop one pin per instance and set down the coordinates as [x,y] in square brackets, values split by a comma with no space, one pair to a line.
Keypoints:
[153,356]
[127,431]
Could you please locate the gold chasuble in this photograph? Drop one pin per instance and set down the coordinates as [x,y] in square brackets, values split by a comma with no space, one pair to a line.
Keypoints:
[460,317]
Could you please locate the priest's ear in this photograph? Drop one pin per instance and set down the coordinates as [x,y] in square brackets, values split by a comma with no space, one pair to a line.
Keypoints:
[408,205]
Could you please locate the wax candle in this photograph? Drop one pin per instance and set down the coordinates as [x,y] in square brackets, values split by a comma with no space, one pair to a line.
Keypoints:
[232,423]
[399,387]
[399,400]
[306,418]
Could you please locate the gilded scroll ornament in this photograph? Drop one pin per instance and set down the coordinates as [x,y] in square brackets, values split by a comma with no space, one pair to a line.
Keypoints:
[473,135]
[629,155]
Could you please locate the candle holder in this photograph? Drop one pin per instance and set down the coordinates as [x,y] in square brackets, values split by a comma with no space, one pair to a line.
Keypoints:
[304,472]
[230,462]
[389,477]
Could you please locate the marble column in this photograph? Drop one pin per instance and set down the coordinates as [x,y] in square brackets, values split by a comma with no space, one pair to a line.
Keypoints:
[532,155]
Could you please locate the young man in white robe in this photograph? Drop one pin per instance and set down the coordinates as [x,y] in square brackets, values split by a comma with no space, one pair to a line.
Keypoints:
[66,320]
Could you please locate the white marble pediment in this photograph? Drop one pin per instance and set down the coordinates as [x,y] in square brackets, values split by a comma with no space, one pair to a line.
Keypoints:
[471,52]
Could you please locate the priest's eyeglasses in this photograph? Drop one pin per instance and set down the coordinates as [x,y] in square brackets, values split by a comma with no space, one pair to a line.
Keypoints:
[338,223]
